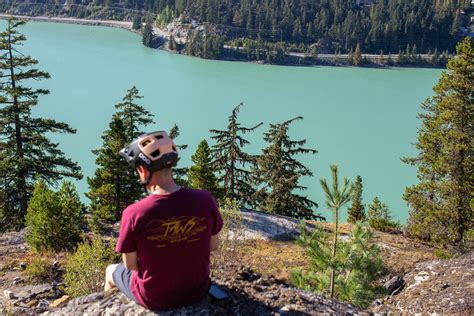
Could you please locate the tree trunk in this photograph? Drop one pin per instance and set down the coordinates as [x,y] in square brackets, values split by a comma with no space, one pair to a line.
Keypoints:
[21,177]
[334,246]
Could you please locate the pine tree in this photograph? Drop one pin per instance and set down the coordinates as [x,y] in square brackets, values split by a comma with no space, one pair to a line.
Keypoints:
[377,209]
[278,173]
[180,173]
[54,219]
[357,56]
[26,152]
[201,174]
[229,159]
[115,185]
[357,210]
[439,203]
[335,200]
[137,22]
[147,38]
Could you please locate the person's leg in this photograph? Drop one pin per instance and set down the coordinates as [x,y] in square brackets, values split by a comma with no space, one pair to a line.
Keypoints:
[109,280]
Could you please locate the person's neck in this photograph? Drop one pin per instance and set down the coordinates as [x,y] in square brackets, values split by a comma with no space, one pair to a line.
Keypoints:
[163,186]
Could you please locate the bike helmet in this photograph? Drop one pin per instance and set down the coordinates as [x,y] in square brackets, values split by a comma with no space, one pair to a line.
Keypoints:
[154,151]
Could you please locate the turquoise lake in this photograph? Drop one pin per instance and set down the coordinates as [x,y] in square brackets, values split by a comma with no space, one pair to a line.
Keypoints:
[362,119]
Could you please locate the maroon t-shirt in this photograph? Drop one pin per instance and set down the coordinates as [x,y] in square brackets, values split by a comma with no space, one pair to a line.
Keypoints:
[171,235]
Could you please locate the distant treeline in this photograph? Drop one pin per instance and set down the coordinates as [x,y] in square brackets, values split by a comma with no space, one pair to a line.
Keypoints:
[336,25]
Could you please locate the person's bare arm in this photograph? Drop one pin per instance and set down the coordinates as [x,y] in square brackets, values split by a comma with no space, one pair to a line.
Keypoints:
[130,260]
[214,242]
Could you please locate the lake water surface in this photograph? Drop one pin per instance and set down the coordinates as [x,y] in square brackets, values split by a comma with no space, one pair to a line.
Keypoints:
[362,119]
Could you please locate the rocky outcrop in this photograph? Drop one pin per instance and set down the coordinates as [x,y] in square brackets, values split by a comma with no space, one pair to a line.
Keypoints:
[440,286]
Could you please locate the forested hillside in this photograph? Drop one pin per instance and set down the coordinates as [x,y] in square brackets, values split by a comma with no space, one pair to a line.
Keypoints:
[338,25]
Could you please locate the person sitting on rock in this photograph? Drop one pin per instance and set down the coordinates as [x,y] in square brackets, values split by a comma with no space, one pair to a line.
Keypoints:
[165,238]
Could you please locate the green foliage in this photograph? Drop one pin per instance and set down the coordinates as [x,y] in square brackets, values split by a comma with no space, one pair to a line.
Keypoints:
[443,254]
[231,233]
[357,59]
[26,151]
[137,22]
[204,44]
[278,173]
[230,161]
[357,265]
[439,203]
[180,173]
[147,35]
[335,199]
[115,185]
[201,174]
[165,17]
[54,219]
[357,210]
[380,218]
[38,268]
[85,268]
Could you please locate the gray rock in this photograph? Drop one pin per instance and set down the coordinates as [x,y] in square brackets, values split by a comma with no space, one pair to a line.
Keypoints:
[17,280]
[8,295]
[394,284]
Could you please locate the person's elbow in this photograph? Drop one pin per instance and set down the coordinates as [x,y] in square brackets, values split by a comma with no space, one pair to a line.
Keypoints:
[214,242]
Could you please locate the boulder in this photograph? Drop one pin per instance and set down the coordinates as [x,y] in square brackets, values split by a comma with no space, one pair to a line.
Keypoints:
[394,284]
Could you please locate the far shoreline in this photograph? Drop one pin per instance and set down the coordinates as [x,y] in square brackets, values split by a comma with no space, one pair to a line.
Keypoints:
[127,25]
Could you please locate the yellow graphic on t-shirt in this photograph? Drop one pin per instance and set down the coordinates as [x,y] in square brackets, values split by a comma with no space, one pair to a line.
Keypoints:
[176,229]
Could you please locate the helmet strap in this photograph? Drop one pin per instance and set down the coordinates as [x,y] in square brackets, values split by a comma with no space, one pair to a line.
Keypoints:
[147,182]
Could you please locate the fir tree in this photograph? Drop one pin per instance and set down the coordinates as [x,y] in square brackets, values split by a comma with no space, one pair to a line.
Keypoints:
[439,203]
[357,210]
[229,159]
[180,173]
[54,219]
[201,174]
[115,185]
[377,209]
[147,38]
[137,22]
[357,56]
[26,152]
[335,200]
[278,173]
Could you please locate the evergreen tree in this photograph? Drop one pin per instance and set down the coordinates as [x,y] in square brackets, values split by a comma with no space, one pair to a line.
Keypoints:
[54,219]
[26,152]
[230,161]
[357,56]
[147,38]
[115,185]
[335,199]
[278,173]
[439,203]
[137,22]
[377,209]
[357,210]
[201,174]
[180,173]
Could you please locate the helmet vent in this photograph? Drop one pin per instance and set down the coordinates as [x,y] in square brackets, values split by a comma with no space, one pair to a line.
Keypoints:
[155,154]
[159,137]
[131,153]
[146,142]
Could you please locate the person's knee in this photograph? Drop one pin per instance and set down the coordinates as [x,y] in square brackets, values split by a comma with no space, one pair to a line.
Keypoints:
[109,272]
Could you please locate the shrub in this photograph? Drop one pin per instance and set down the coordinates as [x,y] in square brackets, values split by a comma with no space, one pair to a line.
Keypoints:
[85,269]
[54,219]
[384,225]
[443,254]
[357,265]
[38,268]
[231,234]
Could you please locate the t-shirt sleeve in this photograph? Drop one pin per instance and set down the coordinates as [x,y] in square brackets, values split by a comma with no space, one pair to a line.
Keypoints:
[126,240]
[216,216]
